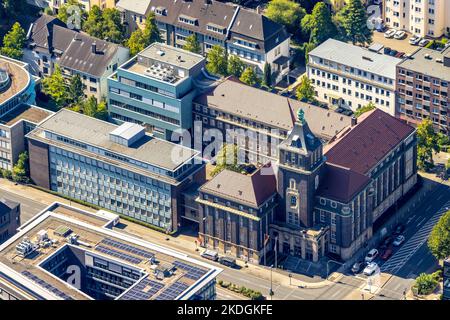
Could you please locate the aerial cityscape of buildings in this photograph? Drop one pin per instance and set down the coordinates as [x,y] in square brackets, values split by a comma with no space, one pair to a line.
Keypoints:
[216,130]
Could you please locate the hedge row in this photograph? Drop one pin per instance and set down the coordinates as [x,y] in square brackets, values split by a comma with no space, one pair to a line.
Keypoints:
[247,292]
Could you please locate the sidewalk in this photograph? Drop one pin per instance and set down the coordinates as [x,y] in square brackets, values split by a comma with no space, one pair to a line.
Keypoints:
[182,243]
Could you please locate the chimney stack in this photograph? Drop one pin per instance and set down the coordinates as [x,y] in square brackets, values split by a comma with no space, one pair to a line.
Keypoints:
[94,48]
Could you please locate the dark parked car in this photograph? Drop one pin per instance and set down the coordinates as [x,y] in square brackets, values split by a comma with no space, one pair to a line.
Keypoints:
[228,261]
[386,254]
[386,50]
[357,266]
[393,53]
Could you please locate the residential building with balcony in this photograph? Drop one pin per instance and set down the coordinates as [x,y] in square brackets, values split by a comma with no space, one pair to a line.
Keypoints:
[425,18]
[242,32]
[155,89]
[348,76]
[119,168]
[261,121]
[51,43]
[423,90]
[9,219]
[61,241]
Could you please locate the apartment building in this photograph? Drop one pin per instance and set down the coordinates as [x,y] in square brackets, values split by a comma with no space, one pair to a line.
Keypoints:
[423,90]
[13,127]
[39,262]
[235,217]
[51,43]
[242,32]
[155,89]
[426,18]
[119,168]
[348,76]
[258,123]
[9,219]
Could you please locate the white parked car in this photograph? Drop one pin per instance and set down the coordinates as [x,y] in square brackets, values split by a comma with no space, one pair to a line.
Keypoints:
[398,240]
[399,35]
[371,255]
[370,269]
[423,42]
[414,40]
[390,33]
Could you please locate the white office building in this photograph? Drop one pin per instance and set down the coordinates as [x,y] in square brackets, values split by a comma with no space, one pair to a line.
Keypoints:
[348,76]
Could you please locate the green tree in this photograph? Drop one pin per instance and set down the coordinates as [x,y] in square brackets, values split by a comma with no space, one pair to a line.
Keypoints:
[10,9]
[20,170]
[227,158]
[365,109]
[94,23]
[235,66]
[267,77]
[439,240]
[353,20]
[140,39]
[249,77]
[192,44]
[427,143]
[113,29]
[76,92]
[286,12]
[319,24]
[92,108]
[56,88]
[64,11]
[426,283]
[13,42]
[305,90]
[217,61]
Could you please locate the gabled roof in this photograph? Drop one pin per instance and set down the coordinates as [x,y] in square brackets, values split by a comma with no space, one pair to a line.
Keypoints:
[365,144]
[52,35]
[251,190]
[341,184]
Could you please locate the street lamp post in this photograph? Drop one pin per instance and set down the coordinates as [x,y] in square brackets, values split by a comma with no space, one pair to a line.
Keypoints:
[290,279]
[271,291]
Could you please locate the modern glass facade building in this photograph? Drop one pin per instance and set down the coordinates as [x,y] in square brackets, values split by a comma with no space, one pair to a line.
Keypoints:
[155,89]
[118,168]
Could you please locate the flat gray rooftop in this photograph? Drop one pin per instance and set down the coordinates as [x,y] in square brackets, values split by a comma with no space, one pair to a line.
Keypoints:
[96,132]
[418,62]
[357,57]
[174,56]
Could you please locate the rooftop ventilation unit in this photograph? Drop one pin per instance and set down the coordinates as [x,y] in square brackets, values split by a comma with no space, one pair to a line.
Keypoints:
[160,53]
[25,248]
[127,134]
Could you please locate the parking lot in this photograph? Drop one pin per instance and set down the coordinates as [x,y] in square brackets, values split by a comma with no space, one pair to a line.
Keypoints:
[399,45]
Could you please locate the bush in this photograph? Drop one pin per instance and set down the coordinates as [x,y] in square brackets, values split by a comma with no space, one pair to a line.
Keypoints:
[426,283]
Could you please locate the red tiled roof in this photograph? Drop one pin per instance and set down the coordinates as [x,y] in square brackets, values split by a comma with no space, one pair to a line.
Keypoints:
[365,144]
[341,184]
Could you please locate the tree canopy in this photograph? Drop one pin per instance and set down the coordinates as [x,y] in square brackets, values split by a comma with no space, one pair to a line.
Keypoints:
[192,44]
[439,240]
[364,109]
[427,143]
[106,24]
[140,39]
[305,91]
[249,76]
[217,61]
[286,12]
[319,24]
[67,9]
[353,22]
[55,87]
[20,170]
[227,158]
[13,42]
[267,77]
[235,66]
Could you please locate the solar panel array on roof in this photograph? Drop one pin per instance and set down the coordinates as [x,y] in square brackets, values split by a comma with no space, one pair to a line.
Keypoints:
[118,254]
[46,285]
[173,291]
[128,248]
[139,291]
[192,272]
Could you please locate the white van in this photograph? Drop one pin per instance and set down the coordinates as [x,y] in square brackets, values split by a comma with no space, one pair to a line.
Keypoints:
[210,254]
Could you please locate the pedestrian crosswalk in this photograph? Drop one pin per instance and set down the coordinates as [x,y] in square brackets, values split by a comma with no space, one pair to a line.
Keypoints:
[398,260]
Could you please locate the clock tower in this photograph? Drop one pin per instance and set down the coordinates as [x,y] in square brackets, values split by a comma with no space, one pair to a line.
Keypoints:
[300,165]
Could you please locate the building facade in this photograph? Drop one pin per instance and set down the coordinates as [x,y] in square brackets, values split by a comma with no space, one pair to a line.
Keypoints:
[235,218]
[423,90]
[13,127]
[242,32]
[348,76]
[426,18]
[52,43]
[9,219]
[155,89]
[119,168]
[55,5]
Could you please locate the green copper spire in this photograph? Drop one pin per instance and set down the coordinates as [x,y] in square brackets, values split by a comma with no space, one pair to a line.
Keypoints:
[301,116]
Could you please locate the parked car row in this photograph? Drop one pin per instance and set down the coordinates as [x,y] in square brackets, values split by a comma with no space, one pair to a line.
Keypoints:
[396,34]
[393,52]
[214,256]
[369,265]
